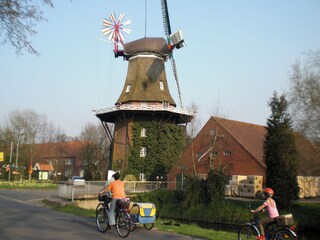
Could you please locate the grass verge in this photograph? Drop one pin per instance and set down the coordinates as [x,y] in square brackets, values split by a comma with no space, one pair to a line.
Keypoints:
[26,184]
[160,224]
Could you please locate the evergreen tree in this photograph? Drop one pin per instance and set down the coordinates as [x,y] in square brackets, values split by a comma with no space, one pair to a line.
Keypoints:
[280,153]
[216,181]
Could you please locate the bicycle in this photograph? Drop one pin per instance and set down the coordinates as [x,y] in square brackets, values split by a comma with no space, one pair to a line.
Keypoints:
[123,219]
[273,231]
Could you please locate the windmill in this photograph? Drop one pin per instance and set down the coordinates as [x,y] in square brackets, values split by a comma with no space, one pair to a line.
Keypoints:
[145,97]
[114,30]
[174,41]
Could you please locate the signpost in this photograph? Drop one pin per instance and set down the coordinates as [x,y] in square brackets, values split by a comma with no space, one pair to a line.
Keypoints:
[1,156]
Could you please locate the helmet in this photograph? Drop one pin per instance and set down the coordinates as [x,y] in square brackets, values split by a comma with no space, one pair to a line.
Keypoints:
[268,192]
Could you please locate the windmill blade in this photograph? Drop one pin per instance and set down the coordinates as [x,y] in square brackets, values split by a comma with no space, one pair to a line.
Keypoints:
[111,36]
[126,30]
[127,22]
[165,18]
[167,32]
[121,17]
[120,37]
[175,74]
[106,22]
[106,31]
[113,17]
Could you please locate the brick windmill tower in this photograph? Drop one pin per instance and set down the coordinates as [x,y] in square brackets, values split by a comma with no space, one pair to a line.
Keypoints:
[145,108]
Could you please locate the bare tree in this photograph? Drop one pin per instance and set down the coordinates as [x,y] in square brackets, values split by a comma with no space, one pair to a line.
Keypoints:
[217,110]
[304,95]
[24,129]
[195,125]
[95,151]
[28,127]
[17,20]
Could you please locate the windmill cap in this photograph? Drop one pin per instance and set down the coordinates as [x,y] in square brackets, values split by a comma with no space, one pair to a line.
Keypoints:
[148,45]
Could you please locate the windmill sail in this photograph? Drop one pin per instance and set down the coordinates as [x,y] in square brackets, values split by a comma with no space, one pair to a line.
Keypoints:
[167,31]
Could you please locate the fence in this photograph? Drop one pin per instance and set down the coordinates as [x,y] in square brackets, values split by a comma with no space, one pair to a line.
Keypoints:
[91,188]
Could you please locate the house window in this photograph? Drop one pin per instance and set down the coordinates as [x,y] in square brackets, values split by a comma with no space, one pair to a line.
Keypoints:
[213,154]
[69,161]
[227,153]
[143,152]
[161,85]
[67,173]
[143,132]
[199,154]
[128,88]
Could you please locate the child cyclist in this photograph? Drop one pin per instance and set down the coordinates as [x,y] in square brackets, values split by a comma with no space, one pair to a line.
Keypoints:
[272,211]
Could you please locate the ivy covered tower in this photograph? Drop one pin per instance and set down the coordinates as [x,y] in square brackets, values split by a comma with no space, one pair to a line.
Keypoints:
[149,129]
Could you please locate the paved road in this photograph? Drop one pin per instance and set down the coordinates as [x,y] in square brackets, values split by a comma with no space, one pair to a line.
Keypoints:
[22,216]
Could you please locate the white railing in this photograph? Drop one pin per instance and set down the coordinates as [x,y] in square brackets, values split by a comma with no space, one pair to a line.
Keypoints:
[92,188]
[143,108]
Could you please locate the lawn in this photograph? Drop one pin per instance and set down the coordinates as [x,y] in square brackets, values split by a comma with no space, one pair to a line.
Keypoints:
[26,184]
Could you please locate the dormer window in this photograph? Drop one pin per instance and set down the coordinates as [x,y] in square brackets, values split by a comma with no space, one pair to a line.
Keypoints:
[161,85]
[128,88]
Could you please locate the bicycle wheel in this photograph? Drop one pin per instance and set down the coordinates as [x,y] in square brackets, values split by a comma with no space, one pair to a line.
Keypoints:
[102,220]
[247,232]
[148,226]
[100,205]
[133,226]
[123,224]
[284,234]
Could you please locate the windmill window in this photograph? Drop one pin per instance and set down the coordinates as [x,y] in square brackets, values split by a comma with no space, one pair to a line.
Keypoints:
[161,85]
[227,153]
[143,152]
[143,132]
[165,104]
[128,88]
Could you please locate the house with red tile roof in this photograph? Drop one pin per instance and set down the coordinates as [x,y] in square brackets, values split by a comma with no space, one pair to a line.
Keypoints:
[237,147]
[63,157]
[43,170]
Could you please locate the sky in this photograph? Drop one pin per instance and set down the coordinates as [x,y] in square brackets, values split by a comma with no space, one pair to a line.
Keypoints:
[237,53]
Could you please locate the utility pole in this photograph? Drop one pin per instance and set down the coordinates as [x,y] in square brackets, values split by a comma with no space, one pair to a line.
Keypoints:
[9,178]
[17,153]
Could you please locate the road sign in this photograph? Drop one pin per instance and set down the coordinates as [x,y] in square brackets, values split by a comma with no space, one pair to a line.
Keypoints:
[1,156]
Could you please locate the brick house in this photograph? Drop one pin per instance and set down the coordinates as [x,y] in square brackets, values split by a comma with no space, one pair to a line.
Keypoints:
[238,148]
[64,157]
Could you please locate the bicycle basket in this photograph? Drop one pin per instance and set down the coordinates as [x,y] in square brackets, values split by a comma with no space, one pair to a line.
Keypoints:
[285,220]
[101,197]
[123,203]
[104,197]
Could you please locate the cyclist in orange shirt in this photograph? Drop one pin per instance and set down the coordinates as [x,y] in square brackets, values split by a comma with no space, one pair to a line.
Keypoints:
[117,190]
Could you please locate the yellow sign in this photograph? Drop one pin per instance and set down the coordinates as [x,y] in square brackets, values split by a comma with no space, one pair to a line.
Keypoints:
[1,156]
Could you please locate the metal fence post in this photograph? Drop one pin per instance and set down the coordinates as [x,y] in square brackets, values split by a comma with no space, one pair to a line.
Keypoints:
[72,193]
